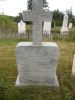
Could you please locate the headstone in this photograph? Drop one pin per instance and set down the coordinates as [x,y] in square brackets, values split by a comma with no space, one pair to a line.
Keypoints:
[47,28]
[70,26]
[73,66]
[64,29]
[37,60]
[21,28]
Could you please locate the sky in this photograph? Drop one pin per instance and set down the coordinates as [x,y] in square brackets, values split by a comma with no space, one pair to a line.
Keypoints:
[13,7]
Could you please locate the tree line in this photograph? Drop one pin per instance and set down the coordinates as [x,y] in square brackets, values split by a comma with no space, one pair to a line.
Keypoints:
[57,18]
[9,23]
[57,15]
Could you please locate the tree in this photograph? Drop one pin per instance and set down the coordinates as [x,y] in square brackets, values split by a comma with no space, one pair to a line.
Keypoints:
[7,24]
[45,5]
[57,17]
[69,13]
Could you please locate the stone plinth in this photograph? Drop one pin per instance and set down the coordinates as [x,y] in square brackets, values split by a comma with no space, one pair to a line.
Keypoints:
[37,64]
[64,31]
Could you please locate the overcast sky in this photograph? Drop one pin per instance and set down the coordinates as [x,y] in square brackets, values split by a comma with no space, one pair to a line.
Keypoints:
[13,7]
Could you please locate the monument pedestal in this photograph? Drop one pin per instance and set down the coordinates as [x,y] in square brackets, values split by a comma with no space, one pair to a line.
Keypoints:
[64,31]
[37,64]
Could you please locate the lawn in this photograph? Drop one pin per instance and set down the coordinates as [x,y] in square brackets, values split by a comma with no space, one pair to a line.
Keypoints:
[8,74]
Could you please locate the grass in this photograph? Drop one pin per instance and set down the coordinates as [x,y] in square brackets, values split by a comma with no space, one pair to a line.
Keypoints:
[29,28]
[8,74]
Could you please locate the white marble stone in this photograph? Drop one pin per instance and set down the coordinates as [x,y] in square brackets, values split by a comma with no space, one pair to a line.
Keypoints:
[37,64]
[64,29]
[37,60]
[21,27]
[47,28]
[70,26]
[73,66]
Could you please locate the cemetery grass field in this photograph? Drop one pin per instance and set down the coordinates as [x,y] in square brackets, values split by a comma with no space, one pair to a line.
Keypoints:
[8,73]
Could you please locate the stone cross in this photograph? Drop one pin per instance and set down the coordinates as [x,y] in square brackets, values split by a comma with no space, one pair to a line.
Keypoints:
[37,16]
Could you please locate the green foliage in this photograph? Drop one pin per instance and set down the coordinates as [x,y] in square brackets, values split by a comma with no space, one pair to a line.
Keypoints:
[7,24]
[29,28]
[29,5]
[57,17]
[56,34]
[16,19]
[8,74]
[45,5]
[69,13]
[73,20]
[56,30]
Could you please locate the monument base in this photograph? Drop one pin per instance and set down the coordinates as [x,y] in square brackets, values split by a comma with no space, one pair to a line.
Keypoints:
[21,35]
[64,31]
[37,64]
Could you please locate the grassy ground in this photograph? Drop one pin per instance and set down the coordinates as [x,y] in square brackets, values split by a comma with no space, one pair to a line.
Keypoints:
[8,74]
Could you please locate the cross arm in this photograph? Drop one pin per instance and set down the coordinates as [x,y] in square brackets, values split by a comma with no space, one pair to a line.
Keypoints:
[27,15]
[47,16]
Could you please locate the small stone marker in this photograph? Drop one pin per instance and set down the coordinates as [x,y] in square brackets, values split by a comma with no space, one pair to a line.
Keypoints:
[37,60]
[70,26]
[73,66]
[21,27]
[47,28]
[64,29]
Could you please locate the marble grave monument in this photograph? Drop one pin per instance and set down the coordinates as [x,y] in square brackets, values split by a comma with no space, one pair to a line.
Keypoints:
[64,29]
[47,28]
[37,60]
[21,28]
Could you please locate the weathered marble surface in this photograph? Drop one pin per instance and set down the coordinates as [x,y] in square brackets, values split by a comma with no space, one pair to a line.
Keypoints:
[37,15]
[37,60]
[37,64]
[64,29]
[21,27]
[73,66]
[47,28]
[70,26]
